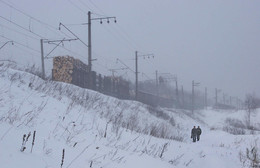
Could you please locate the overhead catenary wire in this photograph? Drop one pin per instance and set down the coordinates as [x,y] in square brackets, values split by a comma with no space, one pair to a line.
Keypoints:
[30,48]
[129,46]
[120,28]
[112,32]
[8,28]
[125,65]
[21,44]
[73,34]
[103,66]
[21,26]
[85,4]
[51,28]
[58,45]
[31,18]
[33,55]
[97,8]
[38,35]
[117,35]
[34,34]
[73,52]
[76,6]
[146,76]
[127,35]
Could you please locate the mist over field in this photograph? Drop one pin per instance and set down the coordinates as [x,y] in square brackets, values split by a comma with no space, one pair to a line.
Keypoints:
[123,84]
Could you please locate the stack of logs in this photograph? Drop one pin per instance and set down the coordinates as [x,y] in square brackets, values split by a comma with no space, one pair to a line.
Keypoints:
[69,70]
[64,68]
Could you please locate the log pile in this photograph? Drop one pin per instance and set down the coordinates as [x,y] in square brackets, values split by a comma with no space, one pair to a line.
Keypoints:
[69,70]
[65,67]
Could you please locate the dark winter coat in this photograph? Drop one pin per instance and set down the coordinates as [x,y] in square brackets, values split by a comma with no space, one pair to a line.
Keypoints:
[199,131]
[193,132]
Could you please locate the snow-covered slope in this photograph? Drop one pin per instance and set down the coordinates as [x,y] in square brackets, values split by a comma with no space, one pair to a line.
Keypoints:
[100,131]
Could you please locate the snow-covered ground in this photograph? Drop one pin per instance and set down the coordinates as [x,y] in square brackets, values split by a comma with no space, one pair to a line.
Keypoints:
[101,131]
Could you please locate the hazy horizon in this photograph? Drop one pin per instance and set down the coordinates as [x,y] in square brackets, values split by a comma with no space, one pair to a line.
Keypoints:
[215,43]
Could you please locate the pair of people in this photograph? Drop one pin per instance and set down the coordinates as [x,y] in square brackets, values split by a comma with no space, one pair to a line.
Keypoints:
[195,133]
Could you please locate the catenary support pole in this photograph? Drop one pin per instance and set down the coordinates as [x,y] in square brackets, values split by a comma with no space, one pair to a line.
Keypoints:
[136,75]
[192,98]
[177,91]
[182,92]
[89,42]
[42,58]
[206,97]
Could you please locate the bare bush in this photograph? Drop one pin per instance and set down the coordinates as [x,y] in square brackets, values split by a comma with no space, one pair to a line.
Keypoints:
[33,70]
[15,76]
[133,122]
[161,131]
[164,148]
[12,116]
[177,138]
[213,128]
[234,130]
[251,158]
[161,114]
[235,123]
[251,105]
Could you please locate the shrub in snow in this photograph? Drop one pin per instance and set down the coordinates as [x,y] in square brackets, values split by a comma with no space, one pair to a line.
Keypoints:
[235,123]
[251,105]
[33,70]
[62,159]
[33,140]
[161,114]
[23,143]
[251,158]
[234,130]
[213,128]
[163,149]
[237,127]
[25,139]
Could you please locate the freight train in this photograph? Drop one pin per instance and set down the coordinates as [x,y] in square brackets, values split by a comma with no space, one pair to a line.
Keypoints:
[70,70]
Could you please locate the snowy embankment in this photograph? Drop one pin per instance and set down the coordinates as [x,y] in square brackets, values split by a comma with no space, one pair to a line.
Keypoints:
[100,131]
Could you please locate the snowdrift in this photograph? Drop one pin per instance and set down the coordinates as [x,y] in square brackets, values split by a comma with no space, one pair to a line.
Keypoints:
[95,130]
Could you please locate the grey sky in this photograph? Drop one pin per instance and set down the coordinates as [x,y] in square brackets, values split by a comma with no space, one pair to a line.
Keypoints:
[214,42]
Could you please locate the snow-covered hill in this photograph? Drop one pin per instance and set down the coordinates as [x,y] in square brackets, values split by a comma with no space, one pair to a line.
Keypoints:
[98,131]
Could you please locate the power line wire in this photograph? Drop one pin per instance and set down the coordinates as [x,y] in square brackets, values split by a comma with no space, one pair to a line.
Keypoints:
[125,65]
[21,44]
[113,34]
[20,26]
[103,66]
[37,50]
[127,35]
[31,17]
[146,76]
[8,28]
[77,7]
[32,33]
[116,36]
[84,4]
[73,34]
[120,28]
[97,7]
[24,50]
[72,52]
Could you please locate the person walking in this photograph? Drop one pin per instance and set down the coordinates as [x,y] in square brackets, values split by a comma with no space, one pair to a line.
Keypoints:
[194,134]
[198,133]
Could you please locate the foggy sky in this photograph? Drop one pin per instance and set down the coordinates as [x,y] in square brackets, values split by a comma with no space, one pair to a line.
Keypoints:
[216,43]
